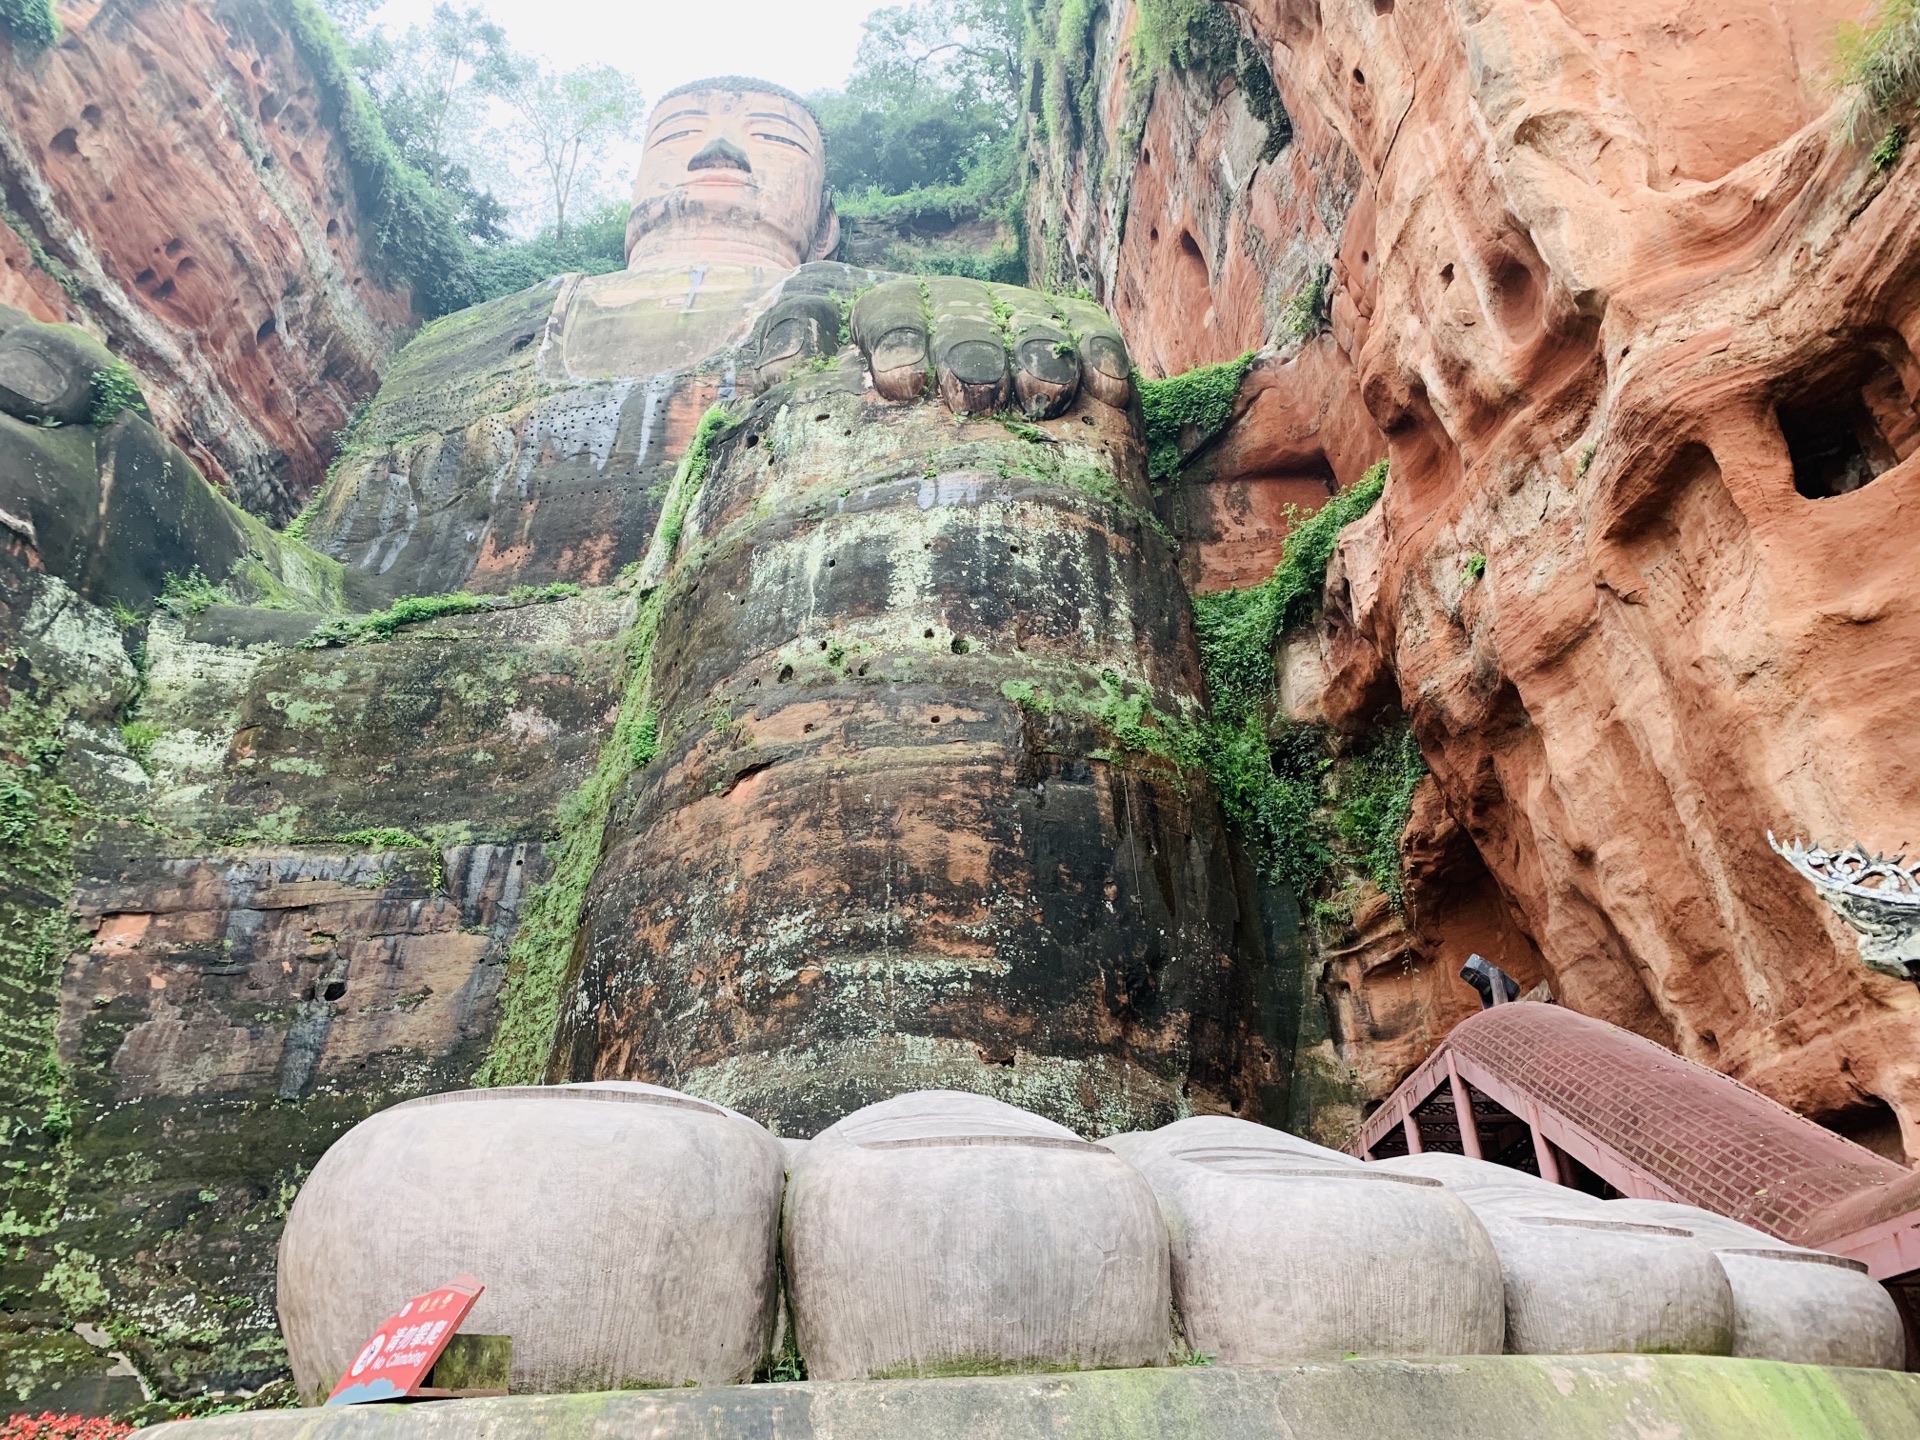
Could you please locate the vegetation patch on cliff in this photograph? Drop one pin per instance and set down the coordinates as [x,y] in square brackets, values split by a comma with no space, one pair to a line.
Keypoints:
[116,390]
[1195,404]
[39,815]
[418,609]
[1302,807]
[1183,34]
[1239,629]
[1881,62]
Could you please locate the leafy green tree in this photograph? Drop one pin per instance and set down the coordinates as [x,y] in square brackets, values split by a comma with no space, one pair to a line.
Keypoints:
[595,245]
[431,87]
[572,121]
[934,94]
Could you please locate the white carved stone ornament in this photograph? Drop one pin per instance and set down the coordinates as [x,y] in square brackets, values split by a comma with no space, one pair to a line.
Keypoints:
[1879,897]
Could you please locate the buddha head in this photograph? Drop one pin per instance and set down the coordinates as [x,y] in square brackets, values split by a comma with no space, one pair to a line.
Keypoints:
[733,171]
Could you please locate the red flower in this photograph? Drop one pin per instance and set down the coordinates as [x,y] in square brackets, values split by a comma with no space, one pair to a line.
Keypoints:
[49,1426]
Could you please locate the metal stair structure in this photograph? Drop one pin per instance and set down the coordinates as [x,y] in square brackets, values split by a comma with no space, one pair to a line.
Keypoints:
[1583,1103]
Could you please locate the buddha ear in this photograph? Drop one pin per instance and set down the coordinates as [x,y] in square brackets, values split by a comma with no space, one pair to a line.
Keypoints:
[826,239]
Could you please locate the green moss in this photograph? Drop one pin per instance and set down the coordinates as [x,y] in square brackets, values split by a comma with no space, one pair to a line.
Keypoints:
[418,609]
[1475,569]
[297,527]
[63,277]
[29,23]
[377,839]
[115,391]
[1305,313]
[40,819]
[692,474]
[550,918]
[1032,454]
[1887,153]
[1200,399]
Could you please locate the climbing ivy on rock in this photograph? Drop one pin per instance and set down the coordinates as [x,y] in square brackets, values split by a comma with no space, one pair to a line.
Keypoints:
[1198,400]
[1306,810]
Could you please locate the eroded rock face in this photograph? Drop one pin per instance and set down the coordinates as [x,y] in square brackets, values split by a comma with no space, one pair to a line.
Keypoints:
[281,898]
[1649,355]
[178,161]
[530,439]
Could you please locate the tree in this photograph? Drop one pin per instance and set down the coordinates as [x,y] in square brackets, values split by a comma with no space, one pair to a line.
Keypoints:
[935,91]
[571,121]
[437,81]
[432,88]
[969,50]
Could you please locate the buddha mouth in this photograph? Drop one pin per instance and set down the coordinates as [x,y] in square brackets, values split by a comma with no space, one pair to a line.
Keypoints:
[721,154]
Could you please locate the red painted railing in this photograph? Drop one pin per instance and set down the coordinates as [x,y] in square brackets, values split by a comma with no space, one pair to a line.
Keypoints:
[1582,1095]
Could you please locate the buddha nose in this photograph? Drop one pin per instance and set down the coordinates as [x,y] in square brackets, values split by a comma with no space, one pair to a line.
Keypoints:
[721,153]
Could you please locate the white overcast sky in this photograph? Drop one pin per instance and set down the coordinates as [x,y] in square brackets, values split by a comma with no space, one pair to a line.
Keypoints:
[801,44]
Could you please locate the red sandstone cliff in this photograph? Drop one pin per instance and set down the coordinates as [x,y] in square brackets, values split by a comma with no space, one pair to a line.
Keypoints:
[175,161]
[1634,317]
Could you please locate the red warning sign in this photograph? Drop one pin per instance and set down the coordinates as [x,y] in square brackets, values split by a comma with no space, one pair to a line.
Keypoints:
[393,1363]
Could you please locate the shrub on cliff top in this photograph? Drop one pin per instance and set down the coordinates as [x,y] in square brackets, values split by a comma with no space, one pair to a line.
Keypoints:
[30,23]
[595,246]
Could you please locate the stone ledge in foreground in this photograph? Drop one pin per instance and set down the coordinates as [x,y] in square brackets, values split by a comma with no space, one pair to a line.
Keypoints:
[1489,1397]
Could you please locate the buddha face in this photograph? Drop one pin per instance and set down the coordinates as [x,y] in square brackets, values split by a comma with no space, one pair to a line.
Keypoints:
[730,174]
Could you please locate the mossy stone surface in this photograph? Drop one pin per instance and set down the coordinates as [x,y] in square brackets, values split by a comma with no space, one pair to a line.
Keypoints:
[1488,1397]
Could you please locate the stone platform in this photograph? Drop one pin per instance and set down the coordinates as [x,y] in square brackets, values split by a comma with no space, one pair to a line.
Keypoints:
[1492,1397]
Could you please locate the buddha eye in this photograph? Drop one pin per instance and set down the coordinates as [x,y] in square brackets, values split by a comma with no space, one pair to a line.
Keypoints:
[782,140]
[676,135]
